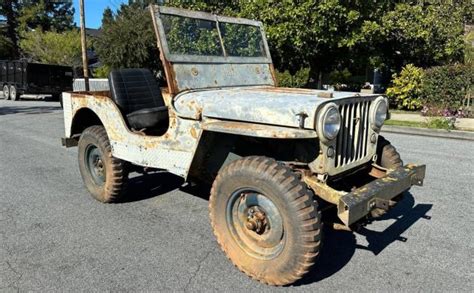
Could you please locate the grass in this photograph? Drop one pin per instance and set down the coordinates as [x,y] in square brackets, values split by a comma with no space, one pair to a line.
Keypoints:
[405,123]
[433,123]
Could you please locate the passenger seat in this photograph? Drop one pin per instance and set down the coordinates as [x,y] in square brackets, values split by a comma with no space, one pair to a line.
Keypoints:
[137,94]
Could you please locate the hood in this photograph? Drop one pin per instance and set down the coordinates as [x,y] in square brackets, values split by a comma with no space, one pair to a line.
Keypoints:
[264,105]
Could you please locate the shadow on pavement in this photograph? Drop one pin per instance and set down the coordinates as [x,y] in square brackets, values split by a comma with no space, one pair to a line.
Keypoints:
[150,185]
[338,247]
[405,214]
[6,110]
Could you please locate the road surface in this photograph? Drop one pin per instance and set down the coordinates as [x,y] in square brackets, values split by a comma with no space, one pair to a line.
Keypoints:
[55,237]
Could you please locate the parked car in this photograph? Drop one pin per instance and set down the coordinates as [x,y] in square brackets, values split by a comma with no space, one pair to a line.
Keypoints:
[275,156]
[20,77]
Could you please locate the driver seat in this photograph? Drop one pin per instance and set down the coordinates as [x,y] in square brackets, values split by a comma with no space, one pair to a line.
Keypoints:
[137,94]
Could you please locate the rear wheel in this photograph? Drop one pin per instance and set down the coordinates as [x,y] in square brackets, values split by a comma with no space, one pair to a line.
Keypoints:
[13,93]
[104,176]
[265,220]
[6,92]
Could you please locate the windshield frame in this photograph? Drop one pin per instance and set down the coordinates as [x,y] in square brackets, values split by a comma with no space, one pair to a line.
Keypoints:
[178,58]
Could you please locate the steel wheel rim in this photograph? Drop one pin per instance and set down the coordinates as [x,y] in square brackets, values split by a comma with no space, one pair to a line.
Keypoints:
[95,164]
[255,223]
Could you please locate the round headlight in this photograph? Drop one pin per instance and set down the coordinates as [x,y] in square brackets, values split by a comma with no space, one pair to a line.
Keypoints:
[330,122]
[379,112]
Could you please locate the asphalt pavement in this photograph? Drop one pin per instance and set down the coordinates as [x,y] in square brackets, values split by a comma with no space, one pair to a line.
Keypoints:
[55,237]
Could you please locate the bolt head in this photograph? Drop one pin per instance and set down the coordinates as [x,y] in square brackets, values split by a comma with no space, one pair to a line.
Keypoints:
[250,225]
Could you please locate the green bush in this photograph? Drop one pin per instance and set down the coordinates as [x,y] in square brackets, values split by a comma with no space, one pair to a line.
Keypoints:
[405,91]
[299,79]
[445,87]
[102,71]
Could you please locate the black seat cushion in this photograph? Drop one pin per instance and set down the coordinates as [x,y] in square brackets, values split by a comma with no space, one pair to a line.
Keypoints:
[147,118]
[138,96]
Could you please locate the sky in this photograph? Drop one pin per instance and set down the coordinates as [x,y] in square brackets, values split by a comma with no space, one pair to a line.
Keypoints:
[94,10]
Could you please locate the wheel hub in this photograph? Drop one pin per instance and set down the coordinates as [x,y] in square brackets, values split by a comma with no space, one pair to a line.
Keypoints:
[256,220]
[98,166]
[255,223]
[95,164]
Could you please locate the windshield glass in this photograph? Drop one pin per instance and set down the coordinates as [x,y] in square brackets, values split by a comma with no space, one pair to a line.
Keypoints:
[199,37]
[242,40]
[191,36]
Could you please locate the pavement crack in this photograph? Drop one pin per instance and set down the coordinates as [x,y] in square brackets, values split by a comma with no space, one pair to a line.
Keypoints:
[201,261]
[13,284]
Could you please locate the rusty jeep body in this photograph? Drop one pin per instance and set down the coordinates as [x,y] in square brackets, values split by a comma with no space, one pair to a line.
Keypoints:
[275,156]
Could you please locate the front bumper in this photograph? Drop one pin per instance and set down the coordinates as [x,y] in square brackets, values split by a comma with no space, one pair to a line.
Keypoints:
[377,194]
[353,206]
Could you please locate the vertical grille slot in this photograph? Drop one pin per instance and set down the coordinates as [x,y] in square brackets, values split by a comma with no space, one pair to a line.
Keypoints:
[352,140]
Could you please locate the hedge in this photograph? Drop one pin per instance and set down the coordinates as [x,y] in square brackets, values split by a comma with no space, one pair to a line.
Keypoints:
[446,87]
[439,90]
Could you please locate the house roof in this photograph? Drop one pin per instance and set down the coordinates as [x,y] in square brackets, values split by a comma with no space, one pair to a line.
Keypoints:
[92,32]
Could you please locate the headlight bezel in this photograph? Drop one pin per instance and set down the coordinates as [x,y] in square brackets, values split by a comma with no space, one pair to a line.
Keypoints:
[376,123]
[322,119]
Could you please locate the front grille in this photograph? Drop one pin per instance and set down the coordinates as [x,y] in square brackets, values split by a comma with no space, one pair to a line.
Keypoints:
[352,140]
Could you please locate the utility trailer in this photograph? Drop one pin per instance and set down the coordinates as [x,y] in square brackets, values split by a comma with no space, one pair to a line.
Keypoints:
[20,77]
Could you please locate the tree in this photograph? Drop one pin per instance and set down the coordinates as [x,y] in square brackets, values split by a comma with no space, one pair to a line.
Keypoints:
[314,34]
[52,47]
[6,48]
[324,35]
[47,16]
[9,9]
[423,35]
[107,17]
[128,40]
[23,16]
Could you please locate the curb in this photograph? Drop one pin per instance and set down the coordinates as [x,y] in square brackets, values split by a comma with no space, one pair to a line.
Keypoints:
[452,134]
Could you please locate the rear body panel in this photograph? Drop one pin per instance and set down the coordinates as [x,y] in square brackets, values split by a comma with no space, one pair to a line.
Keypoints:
[172,151]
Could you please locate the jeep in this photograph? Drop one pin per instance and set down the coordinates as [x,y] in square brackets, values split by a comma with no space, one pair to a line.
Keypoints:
[276,157]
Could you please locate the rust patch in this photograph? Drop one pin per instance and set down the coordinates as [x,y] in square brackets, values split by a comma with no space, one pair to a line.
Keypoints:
[194,133]
[258,130]
[98,94]
[273,74]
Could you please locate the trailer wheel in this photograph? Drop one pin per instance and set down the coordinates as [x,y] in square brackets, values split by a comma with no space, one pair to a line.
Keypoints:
[265,220]
[13,93]
[6,92]
[104,176]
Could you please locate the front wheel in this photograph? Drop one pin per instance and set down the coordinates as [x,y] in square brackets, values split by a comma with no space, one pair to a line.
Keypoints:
[265,220]
[387,155]
[104,176]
